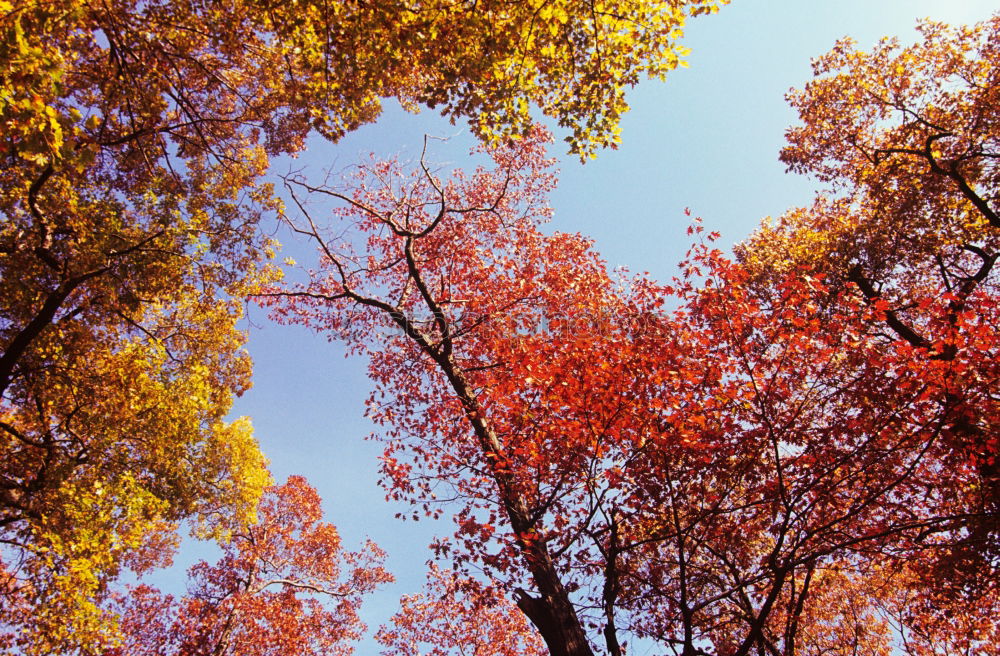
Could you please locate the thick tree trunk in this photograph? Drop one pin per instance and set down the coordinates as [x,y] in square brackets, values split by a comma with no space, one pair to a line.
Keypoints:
[559,627]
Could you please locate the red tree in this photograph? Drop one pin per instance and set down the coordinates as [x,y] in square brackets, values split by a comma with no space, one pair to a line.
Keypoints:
[906,139]
[284,586]
[456,615]
[707,478]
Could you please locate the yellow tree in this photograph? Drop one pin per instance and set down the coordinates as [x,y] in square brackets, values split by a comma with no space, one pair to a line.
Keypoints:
[120,351]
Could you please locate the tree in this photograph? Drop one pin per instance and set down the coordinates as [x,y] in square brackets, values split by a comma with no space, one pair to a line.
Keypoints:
[708,478]
[269,594]
[135,137]
[121,360]
[908,140]
[456,615]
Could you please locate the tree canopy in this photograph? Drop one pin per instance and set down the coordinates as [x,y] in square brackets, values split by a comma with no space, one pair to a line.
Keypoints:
[135,138]
[788,451]
[908,141]
[710,477]
[265,595]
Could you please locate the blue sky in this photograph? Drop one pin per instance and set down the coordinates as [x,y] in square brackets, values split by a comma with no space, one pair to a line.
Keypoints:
[707,139]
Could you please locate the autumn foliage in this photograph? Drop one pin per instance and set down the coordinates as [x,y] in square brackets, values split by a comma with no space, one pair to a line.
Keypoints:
[721,476]
[454,615]
[267,594]
[793,450]
[134,139]
[910,222]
